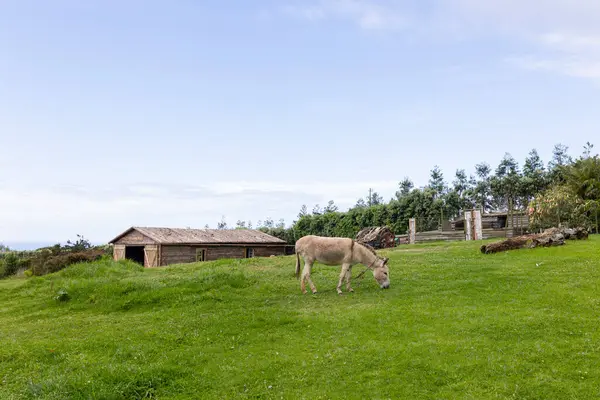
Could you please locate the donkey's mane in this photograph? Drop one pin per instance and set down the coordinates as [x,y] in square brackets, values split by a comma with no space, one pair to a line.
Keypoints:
[367,246]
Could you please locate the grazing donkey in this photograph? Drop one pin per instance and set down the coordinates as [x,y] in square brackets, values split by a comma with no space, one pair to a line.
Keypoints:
[336,251]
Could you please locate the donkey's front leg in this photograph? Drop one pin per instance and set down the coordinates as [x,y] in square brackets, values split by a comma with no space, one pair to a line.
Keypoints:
[343,273]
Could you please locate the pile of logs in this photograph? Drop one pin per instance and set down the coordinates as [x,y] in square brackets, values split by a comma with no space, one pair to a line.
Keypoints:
[378,237]
[550,237]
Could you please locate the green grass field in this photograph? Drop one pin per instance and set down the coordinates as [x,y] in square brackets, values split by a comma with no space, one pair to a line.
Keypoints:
[455,324]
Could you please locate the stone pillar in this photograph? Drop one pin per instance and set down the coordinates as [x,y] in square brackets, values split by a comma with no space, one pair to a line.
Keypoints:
[477,225]
[468,225]
[412,231]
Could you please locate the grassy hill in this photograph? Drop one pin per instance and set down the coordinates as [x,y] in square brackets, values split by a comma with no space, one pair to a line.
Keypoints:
[455,324]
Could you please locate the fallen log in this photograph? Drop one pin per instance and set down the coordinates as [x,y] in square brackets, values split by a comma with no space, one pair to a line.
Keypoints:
[548,238]
[571,233]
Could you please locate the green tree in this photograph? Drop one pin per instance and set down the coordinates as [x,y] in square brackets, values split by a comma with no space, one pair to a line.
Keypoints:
[506,185]
[330,208]
[587,150]
[303,211]
[360,203]
[583,179]
[240,224]
[482,187]
[462,195]
[374,198]
[560,159]
[405,186]
[269,223]
[534,176]
[436,181]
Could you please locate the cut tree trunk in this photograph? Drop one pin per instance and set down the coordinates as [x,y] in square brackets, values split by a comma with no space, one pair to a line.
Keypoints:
[550,237]
[377,237]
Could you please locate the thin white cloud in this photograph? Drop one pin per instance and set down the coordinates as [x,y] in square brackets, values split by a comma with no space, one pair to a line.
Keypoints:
[569,54]
[564,64]
[564,34]
[366,14]
[57,214]
[571,42]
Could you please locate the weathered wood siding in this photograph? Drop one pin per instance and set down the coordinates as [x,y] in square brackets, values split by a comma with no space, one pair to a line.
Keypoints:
[118,252]
[177,254]
[216,253]
[520,221]
[269,251]
[151,256]
[135,238]
[173,254]
[434,236]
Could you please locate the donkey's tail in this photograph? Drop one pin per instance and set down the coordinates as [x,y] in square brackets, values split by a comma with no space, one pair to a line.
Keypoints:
[297,265]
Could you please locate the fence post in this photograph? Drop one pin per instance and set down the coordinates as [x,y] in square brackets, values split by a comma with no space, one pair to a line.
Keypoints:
[468,226]
[412,229]
[478,227]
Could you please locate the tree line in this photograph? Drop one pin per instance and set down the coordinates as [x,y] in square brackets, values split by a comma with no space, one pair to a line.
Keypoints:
[509,187]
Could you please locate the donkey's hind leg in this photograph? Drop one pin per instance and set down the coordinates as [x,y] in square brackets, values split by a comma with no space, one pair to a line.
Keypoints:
[343,273]
[348,276]
[306,277]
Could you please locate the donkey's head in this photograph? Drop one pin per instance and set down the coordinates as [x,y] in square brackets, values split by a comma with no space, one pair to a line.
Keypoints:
[381,272]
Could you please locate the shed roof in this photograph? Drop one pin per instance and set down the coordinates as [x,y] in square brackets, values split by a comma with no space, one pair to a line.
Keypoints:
[203,236]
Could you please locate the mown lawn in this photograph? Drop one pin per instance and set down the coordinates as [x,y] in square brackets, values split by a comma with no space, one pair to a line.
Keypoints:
[455,324]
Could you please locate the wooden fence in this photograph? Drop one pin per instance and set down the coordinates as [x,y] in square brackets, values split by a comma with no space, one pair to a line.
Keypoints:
[450,236]
[475,226]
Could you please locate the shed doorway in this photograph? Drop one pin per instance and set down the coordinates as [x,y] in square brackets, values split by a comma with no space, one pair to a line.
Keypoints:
[135,254]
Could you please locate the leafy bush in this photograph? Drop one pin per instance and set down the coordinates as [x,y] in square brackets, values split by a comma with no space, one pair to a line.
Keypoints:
[557,206]
[47,263]
[50,259]
[11,263]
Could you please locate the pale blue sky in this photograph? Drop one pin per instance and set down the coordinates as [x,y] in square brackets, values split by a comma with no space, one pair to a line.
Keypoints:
[174,113]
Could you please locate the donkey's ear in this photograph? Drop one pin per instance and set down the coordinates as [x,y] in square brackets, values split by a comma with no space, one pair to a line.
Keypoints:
[385,260]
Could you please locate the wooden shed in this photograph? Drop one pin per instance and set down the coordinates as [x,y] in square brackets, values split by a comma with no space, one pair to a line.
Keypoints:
[153,247]
[497,220]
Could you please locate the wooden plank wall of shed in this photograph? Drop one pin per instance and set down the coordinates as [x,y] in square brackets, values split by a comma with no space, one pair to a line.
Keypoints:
[173,254]
[267,251]
[215,253]
[177,254]
[135,238]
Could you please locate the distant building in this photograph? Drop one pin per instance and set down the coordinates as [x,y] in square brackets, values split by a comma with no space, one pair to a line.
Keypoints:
[497,220]
[153,247]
